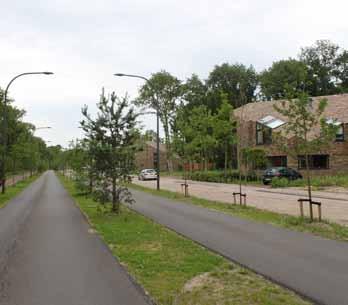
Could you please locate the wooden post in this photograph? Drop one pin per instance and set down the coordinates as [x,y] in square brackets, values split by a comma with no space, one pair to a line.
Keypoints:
[301,208]
[319,212]
[186,190]
[311,210]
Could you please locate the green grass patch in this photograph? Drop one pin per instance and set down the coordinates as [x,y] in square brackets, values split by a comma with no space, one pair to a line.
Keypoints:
[14,190]
[175,270]
[324,229]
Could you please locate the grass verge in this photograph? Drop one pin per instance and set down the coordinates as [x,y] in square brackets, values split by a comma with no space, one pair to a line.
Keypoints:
[324,229]
[13,190]
[175,270]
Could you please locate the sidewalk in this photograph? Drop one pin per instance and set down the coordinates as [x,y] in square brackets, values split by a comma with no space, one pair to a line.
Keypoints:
[334,204]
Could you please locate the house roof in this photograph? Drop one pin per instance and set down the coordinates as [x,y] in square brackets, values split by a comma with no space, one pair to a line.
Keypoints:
[337,108]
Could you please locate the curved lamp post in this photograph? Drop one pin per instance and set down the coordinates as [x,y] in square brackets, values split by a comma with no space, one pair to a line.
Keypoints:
[5,136]
[157,118]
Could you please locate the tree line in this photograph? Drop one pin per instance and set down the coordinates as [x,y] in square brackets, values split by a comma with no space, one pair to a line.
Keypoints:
[24,151]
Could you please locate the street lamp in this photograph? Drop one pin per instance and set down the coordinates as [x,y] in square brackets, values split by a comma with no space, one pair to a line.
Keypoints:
[157,117]
[5,136]
[46,127]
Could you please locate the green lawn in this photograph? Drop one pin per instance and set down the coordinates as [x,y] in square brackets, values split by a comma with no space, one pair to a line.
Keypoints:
[13,191]
[172,269]
[325,228]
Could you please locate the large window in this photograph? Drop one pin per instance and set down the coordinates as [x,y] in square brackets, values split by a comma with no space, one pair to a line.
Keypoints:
[263,134]
[340,133]
[315,162]
[278,161]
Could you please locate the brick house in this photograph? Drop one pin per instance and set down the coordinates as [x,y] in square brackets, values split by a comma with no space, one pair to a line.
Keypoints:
[258,121]
[146,157]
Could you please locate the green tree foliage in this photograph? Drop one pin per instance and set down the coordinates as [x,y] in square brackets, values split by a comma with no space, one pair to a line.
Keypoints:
[162,92]
[237,81]
[194,92]
[194,139]
[327,67]
[303,117]
[113,135]
[283,76]
[24,151]
[254,158]
[224,128]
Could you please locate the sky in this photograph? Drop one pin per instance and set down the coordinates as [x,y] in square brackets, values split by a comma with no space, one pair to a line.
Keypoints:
[85,42]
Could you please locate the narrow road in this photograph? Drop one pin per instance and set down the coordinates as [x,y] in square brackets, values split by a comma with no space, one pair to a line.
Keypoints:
[56,259]
[314,267]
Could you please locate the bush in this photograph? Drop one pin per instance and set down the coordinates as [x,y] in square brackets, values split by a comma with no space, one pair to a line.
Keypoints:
[280,182]
[220,176]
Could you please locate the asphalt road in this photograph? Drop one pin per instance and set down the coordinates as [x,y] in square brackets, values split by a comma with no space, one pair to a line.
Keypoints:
[49,255]
[314,267]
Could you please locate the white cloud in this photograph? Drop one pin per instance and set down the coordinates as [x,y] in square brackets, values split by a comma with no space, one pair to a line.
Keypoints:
[85,42]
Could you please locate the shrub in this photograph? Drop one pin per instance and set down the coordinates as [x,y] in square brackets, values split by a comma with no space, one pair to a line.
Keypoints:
[220,176]
[280,182]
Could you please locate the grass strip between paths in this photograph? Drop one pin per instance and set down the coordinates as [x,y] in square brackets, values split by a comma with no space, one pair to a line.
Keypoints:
[175,270]
[324,229]
[13,190]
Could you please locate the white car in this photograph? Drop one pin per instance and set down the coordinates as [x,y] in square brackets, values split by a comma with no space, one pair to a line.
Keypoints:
[147,174]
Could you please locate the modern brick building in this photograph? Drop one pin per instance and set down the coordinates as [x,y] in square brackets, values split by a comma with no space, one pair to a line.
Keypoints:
[260,120]
[146,157]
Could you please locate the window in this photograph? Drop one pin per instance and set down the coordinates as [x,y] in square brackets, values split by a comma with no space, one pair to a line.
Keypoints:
[271,122]
[259,133]
[315,162]
[340,129]
[278,161]
[263,134]
[340,133]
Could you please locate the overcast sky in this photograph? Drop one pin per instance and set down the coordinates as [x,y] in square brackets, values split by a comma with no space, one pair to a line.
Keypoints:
[84,42]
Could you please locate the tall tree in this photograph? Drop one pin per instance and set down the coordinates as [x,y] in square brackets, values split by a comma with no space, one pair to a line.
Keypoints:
[231,79]
[194,92]
[162,92]
[224,128]
[112,133]
[321,60]
[341,71]
[283,76]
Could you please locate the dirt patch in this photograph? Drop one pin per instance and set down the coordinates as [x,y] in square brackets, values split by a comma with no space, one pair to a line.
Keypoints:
[150,246]
[197,282]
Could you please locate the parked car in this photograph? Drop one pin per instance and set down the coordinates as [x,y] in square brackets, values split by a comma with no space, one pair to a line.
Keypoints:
[147,174]
[280,172]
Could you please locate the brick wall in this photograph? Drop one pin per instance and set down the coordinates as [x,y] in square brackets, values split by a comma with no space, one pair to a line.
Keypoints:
[338,151]
[145,159]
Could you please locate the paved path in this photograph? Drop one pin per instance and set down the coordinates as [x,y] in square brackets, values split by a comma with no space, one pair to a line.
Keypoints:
[312,266]
[334,204]
[56,260]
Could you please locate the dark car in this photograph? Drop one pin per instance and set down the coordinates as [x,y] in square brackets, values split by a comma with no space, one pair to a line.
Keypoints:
[280,172]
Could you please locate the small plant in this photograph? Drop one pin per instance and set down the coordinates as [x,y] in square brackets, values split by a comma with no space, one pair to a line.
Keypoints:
[280,182]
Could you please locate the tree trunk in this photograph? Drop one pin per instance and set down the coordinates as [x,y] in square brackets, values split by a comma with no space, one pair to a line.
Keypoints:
[309,187]
[226,159]
[308,178]
[115,201]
